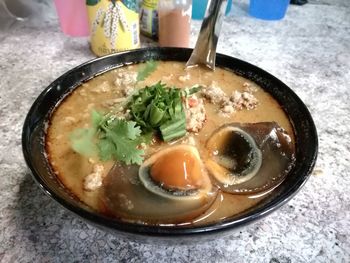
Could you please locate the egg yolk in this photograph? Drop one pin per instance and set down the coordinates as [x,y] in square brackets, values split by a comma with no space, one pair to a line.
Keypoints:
[177,169]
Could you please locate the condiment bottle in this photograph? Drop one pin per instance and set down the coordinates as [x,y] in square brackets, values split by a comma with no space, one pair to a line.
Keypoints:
[174,22]
[114,25]
[149,18]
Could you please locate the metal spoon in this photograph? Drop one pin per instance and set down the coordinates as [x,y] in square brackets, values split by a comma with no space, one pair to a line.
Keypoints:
[205,50]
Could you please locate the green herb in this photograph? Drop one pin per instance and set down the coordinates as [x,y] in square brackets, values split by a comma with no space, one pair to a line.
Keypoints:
[159,106]
[154,108]
[146,69]
[110,138]
[173,129]
[83,141]
[190,91]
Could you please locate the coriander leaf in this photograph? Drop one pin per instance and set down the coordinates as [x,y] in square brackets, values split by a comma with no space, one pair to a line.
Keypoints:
[106,149]
[96,119]
[82,141]
[146,70]
[109,138]
[127,129]
[119,140]
[125,149]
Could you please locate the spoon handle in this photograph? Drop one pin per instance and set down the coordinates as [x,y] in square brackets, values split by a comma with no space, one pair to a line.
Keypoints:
[205,49]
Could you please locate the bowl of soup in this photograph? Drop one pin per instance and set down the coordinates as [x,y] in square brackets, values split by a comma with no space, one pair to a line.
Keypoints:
[139,145]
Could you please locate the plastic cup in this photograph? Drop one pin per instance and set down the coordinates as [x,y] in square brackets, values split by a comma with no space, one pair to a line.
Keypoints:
[199,7]
[268,9]
[73,17]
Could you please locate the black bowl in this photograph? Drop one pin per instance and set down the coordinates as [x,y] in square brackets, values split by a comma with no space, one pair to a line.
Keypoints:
[34,131]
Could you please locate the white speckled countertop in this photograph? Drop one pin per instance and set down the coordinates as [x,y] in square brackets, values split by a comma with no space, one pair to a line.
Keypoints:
[309,50]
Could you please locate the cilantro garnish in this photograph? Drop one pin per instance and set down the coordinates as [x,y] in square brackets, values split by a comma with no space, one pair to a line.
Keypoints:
[109,138]
[157,108]
[83,141]
[146,69]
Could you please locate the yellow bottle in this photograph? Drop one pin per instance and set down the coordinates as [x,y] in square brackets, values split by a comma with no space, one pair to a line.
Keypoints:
[114,25]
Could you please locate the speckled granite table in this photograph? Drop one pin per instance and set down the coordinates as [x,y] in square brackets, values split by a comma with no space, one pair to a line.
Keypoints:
[309,50]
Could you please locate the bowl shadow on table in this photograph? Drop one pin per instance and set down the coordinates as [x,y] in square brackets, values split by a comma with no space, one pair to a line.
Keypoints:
[49,229]
[35,212]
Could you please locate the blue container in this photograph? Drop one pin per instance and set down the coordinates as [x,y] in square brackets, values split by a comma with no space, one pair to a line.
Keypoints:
[268,9]
[199,7]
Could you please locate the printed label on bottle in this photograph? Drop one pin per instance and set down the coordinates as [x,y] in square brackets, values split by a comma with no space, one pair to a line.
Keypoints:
[114,27]
[149,18]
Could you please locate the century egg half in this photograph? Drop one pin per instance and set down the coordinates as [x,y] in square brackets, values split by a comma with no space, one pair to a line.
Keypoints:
[171,186]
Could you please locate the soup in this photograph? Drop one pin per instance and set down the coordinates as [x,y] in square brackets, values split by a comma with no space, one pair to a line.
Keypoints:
[156,144]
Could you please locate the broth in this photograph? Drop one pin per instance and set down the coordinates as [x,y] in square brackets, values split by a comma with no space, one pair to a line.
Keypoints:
[102,92]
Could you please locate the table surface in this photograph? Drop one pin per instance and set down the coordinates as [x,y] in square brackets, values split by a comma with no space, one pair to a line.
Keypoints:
[309,50]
